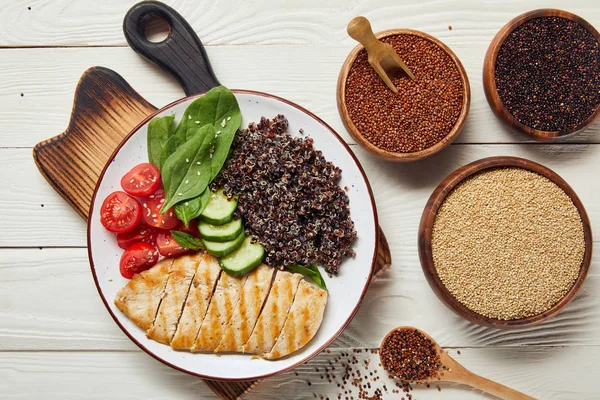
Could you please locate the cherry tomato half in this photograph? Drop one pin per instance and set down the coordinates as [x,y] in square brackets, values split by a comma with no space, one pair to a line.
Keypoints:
[137,258]
[120,212]
[142,233]
[142,180]
[151,212]
[168,247]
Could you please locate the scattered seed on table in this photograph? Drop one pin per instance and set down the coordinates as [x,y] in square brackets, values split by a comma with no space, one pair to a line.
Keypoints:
[424,110]
[547,74]
[508,243]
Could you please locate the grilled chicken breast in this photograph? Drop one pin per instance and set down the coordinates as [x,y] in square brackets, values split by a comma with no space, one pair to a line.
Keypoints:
[191,304]
[140,298]
[201,291]
[271,320]
[220,311]
[246,312]
[303,320]
[178,285]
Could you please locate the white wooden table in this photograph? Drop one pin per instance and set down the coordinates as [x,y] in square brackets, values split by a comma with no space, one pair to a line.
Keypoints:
[56,338]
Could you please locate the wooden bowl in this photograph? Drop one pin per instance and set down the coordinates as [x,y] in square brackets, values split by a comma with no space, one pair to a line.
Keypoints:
[489,72]
[395,156]
[426,227]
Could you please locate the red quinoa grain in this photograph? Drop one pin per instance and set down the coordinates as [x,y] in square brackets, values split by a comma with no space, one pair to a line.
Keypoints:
[424,110]
[410,356]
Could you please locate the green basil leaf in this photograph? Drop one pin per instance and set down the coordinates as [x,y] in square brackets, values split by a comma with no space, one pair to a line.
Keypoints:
[160,130]
[186,173]
[172,144]
[312,272]
[190,209]
[187,241]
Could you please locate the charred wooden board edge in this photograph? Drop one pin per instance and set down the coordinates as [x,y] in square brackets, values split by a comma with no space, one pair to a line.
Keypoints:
[105,109]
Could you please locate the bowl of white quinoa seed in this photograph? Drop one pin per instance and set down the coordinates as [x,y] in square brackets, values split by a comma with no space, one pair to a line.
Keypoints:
[505,242]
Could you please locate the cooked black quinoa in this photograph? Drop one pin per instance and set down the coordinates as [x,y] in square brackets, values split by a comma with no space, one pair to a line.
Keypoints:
[289,198]
[548,74]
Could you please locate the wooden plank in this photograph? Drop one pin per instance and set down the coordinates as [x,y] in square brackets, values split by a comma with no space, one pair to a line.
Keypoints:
[550,373]
[81,23]
[304,74]
[401,192]
[67,313]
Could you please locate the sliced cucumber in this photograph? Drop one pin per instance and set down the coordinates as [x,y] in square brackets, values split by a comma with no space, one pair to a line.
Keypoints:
[219,209]
[221,249]
[244,259]
[221,233]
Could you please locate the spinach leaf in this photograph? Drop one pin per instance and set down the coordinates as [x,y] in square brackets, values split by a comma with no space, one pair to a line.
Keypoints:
[312,272]
[159,131]
[187,241]
[172,144]
[186,173]
[219,108]
[190,209]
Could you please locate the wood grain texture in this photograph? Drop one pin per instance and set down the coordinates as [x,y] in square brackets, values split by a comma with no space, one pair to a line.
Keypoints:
[105,109]
[489,73]
[67,313]
[426,228]
[133,375]
[395,156]
[310,22]
[401,193]
[305,75]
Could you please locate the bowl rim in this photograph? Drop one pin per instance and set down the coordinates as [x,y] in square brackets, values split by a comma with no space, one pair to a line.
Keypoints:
[334,336]
[390,155]
[489,72]
[426,227]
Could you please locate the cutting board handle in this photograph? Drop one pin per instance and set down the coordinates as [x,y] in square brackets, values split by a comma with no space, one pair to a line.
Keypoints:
[180,54]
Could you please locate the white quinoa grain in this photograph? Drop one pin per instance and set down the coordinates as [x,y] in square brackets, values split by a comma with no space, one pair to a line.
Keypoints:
[508,243]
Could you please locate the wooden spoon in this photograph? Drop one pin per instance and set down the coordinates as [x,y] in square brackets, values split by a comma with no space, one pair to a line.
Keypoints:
[452,371]
[382,57]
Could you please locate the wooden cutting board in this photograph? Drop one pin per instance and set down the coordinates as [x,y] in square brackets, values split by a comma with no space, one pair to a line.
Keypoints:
[106,108]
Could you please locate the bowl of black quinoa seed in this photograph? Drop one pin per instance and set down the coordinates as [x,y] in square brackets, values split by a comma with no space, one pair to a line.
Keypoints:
[541,74]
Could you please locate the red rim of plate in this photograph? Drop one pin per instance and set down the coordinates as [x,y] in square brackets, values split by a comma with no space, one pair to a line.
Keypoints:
[327,342]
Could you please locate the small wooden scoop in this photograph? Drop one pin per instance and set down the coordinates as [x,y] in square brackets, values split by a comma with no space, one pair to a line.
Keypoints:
[382,57]
[452,371]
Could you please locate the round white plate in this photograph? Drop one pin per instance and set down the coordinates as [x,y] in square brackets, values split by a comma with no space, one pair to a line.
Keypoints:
[346,290]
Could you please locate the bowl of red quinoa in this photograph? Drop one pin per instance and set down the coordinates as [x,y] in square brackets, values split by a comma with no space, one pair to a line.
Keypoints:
[426,114]
[541,74]
[505,242]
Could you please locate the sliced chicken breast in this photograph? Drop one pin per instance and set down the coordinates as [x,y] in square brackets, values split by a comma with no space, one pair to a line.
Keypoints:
[303,321]
[197,302]
[178,285]
[140,298]
[246,312]
[271,320]
[220,311]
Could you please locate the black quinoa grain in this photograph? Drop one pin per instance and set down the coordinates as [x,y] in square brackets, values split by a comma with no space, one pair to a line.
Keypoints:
[289,198]
[547,74]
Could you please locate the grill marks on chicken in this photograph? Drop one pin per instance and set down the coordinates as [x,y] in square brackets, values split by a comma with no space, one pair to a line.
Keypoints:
[199,295]
[247,310]
[189,303]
